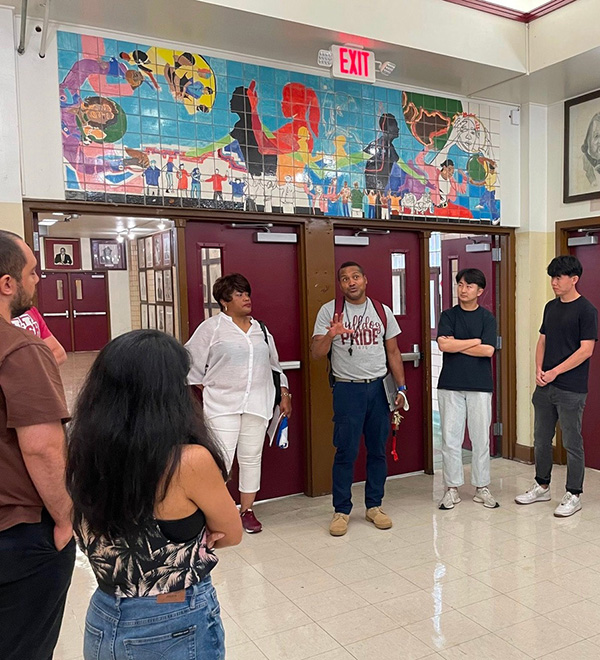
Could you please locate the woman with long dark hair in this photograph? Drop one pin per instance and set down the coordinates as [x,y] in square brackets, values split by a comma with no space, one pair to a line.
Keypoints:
[150,503]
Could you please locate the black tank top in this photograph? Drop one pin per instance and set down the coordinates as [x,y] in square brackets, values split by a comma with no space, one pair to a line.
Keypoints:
[162,556]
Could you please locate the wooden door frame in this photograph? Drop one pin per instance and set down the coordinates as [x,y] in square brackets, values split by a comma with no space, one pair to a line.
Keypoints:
[317,280]
[561,234]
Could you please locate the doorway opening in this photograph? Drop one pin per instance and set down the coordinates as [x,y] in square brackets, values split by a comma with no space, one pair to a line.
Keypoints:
[103,275]
[450,253]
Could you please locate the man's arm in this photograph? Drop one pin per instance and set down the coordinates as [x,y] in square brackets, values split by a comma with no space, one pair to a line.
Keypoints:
[43,450]
[321,344]
[585,351]
[540,349]
[394,358]
[58,351]
[483,350]
[448,344]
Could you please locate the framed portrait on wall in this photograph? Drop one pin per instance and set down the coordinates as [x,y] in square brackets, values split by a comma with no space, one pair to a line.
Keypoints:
[160,317]
[143,288]
[157,258]
[144,316]
[62,253]
[169,327]
[582,148]
[149,274]
[108,254]
[152,317]
[166,237]
[159,291]
[148,252]
[168,285]
[141,251]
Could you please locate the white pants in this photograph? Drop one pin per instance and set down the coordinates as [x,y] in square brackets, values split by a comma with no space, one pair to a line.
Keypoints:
[385,213]
[474,409]
[245,432]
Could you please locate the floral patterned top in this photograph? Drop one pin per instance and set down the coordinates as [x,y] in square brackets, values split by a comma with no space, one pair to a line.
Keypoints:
[147,563]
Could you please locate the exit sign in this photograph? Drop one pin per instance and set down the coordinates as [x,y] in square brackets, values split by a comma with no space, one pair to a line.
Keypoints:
[353,63]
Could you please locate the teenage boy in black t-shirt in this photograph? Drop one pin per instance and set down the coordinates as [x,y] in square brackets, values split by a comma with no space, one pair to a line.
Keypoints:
[467,337]
[567,339]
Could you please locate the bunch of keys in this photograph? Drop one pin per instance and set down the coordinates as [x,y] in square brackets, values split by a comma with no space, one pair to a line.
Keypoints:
[396,419]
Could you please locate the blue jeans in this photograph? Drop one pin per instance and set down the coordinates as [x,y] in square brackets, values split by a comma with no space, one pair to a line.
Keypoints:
[142,629]
[359,408]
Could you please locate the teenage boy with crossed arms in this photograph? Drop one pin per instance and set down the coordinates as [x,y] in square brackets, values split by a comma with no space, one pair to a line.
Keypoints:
[362,347]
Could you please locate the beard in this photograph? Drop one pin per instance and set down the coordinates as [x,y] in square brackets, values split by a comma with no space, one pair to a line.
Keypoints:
[20,303]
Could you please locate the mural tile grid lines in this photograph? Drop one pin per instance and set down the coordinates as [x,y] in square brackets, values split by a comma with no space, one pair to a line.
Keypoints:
[155,126]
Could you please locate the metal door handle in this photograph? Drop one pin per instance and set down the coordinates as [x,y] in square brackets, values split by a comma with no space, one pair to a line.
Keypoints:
[76,313]
[415,356]
[292,364]
[61,314]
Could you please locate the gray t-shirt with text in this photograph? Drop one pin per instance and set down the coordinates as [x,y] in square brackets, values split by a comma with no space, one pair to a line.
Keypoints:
[368,359]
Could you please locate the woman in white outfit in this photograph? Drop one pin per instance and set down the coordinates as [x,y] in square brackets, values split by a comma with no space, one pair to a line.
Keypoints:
[233,363]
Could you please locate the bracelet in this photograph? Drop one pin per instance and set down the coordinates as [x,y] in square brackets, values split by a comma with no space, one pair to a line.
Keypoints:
[402,388]
[286,394]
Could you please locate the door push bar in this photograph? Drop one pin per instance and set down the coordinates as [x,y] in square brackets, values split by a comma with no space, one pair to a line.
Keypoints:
[65,313]
[415,356]
[76,313]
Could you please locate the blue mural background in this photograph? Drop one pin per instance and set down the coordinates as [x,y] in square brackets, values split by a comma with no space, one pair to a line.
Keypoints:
[155,126]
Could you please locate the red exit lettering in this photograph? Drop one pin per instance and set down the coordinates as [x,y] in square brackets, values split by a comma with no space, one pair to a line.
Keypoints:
[353,62]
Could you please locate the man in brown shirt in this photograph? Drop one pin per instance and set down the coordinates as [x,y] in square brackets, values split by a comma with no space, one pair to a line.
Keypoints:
[37,551]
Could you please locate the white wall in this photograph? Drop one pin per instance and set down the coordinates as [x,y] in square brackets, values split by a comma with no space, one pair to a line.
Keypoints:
[39,109]
[120,304]
[11,216]
[427,25]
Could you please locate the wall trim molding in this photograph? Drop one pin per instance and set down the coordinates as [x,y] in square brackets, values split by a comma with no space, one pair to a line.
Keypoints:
[523,453]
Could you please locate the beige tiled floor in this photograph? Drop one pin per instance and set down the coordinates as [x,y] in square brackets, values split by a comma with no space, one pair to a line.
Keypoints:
[513,583]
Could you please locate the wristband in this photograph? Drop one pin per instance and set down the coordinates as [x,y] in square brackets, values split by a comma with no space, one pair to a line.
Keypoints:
[401,388]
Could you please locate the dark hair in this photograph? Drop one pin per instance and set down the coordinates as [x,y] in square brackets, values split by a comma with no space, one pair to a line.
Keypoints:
[132,417]
[471,276]
[226,286]
[347,264]
[565,265]
[12,257]
[447,163]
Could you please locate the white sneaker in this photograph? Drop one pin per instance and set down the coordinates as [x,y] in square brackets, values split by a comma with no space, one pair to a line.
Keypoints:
[569,505]
[483,496]
[535,494]
[451,497]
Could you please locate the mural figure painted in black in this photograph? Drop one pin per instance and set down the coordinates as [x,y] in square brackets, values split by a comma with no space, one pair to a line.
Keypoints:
[257,164]
[382,153]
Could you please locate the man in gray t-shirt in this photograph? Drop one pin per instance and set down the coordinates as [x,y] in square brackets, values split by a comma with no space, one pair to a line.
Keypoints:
[363,347]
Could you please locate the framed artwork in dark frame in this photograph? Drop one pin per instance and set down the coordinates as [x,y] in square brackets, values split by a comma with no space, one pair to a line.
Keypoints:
[62,253]
[582,148]
[108,254]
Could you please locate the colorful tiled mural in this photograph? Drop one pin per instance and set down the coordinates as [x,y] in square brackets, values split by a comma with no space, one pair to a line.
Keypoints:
[155,126]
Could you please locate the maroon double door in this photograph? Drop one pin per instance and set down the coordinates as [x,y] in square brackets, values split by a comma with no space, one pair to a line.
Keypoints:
[453,259]
[272,270]
[392,264]
[75,308]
